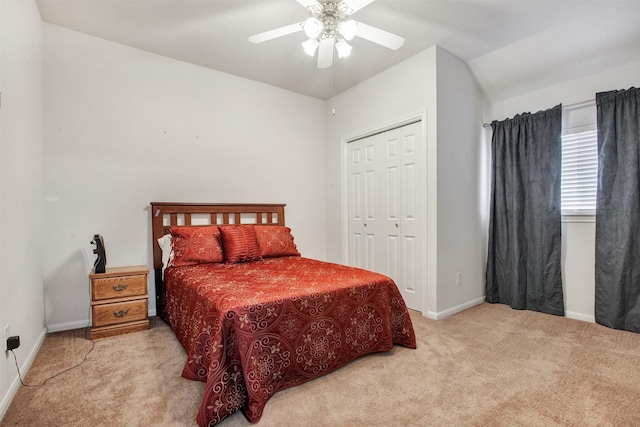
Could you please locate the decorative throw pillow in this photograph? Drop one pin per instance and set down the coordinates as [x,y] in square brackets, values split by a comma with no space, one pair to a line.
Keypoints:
[275,241]
[196,245]
[240,243]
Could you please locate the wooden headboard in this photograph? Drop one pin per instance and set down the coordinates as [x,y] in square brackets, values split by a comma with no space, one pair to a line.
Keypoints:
[165,215]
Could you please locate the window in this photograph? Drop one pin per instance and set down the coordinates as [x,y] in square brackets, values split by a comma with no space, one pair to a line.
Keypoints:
[579,172]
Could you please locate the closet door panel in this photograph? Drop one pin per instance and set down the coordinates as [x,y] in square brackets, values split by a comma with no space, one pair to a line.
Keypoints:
[387,178]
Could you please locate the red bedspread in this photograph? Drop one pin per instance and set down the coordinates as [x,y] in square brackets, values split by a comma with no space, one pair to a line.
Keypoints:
[255,328]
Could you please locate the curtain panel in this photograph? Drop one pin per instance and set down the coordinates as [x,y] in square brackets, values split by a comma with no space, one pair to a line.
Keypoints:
[523,259]
[617,299]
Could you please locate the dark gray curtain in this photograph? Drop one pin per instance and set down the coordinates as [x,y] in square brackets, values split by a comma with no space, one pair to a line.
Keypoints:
[617,302]
[523,260]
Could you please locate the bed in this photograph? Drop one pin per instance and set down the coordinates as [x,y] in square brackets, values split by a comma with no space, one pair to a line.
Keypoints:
[256,317]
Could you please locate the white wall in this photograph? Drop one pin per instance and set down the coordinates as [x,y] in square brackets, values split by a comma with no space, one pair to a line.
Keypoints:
[432,83]
[462,188]
[578,238]
[125,127]
[21,188]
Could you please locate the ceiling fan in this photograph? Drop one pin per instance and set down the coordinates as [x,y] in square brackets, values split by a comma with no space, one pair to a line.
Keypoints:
[329,26]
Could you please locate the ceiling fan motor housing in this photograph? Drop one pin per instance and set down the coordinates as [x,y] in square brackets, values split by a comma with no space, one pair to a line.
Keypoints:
[329,13]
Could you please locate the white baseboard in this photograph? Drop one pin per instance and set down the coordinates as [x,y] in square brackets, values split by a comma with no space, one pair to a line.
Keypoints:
[580,316]
[459,308]
[76,324]
[453,310]
[15,384]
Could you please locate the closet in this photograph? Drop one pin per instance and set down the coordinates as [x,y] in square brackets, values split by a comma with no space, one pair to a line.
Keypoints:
[386,208]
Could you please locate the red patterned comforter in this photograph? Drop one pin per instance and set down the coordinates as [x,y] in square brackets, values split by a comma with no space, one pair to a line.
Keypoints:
[255,328]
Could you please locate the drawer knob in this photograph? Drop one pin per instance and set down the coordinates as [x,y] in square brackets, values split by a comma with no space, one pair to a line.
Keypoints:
[121,313]
[120,287]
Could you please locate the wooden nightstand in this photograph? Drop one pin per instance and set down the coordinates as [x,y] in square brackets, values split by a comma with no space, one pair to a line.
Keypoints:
[119,301]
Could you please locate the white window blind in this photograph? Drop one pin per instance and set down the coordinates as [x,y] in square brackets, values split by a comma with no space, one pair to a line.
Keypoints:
[579,172]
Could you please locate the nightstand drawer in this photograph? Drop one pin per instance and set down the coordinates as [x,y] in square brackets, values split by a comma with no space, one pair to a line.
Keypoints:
[119,287]
[119,312]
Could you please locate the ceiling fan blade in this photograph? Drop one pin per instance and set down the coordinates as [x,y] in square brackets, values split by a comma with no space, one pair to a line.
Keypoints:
[356,5]
[325,53]
[278,32]
[308,4]
[381,37]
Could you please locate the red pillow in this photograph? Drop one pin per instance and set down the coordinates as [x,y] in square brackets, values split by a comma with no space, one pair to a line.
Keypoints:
[240,243]
[275,240]
[196,245]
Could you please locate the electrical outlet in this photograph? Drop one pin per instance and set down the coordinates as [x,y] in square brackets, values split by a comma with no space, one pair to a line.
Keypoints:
[458,278]
[7,334]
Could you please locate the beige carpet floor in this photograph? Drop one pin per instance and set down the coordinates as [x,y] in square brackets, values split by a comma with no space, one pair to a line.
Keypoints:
[487,366]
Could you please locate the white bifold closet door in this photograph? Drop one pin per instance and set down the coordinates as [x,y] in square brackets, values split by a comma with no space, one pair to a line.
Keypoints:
[387,181]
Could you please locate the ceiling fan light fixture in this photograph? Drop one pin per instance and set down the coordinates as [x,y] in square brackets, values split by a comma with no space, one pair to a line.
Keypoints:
[328,25]
[348,29]
[313,27]
[343,48]
[310,46]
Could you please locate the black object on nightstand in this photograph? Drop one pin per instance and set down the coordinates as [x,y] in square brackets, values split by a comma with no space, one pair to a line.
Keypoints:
[101,260]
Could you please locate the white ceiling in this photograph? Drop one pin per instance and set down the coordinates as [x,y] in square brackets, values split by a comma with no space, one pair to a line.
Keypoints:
[510,45]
